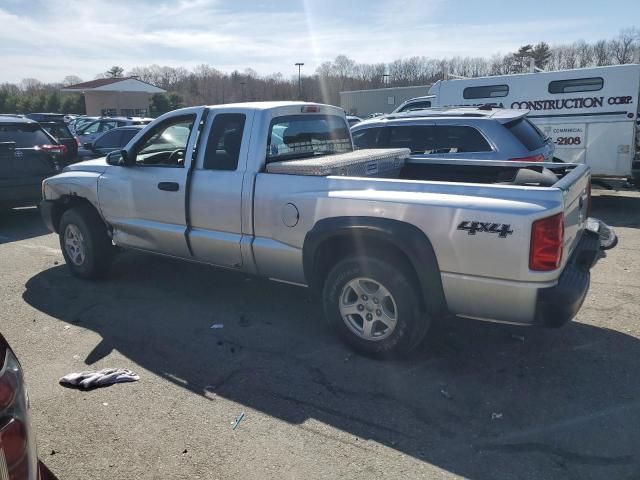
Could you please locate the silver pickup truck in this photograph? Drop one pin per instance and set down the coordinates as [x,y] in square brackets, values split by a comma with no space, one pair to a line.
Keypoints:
[389,243]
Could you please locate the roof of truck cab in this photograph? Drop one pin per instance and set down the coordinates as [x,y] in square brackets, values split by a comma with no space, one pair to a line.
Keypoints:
[267,105]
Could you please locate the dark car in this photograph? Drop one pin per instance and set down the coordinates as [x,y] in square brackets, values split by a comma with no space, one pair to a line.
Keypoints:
[60,131]
[28,155]
[46,117]
[18,455]
[77,123]
[89,133]
[115,139]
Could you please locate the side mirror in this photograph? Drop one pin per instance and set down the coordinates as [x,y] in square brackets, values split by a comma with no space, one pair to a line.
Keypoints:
[115,158]
[88,146]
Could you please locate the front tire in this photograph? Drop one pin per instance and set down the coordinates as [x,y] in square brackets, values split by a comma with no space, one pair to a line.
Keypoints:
[85,245]
[374,305]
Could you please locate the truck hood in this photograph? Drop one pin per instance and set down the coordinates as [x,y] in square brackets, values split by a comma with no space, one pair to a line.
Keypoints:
[98,165]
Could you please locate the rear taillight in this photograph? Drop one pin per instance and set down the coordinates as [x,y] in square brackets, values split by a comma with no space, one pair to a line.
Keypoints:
[8,390]
[78,141]
[61,149]
[18,458]
[589,198]
[533,158]
[547,241]
[14,452]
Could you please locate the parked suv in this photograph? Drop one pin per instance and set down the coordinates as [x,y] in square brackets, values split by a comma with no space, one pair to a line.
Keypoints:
[482,133]
[91,131]
[28,155]
[114,139]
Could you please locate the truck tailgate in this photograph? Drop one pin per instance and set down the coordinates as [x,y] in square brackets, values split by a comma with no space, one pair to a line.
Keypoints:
[575,188]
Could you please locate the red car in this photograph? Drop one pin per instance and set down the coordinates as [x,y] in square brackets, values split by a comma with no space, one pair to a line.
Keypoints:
[18,456]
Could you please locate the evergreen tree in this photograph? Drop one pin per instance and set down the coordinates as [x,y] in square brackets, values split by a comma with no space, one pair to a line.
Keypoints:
[541,54]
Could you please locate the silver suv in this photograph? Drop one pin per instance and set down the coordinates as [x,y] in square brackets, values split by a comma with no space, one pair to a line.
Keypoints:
[482,133]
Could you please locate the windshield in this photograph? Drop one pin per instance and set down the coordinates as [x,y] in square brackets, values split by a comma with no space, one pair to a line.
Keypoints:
[303,136]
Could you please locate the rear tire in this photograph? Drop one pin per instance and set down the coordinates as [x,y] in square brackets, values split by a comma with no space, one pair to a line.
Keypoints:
[84,241]
[374,305]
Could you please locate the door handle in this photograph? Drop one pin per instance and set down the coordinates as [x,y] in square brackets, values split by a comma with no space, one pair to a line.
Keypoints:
[169,186]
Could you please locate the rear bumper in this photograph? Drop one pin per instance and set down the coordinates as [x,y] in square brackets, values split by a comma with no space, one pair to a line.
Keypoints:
[19,194]
[556,305]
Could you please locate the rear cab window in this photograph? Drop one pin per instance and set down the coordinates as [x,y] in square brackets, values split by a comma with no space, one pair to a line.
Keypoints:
[294,137]
[526,133]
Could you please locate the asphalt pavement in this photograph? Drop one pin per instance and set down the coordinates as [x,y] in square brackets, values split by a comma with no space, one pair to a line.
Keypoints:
[477,400]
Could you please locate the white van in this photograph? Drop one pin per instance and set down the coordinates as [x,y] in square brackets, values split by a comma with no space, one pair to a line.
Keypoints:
[590,113]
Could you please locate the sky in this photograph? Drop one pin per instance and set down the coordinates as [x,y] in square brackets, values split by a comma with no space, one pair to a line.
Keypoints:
[50,39]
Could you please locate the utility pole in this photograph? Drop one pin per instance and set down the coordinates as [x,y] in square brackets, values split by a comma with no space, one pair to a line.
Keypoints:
[243,83]
[299,65]
[385,78]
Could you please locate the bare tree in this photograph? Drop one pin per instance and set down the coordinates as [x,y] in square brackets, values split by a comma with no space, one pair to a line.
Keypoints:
[622,47]
[71,80]
[601,53]
[585,54]
[30,84]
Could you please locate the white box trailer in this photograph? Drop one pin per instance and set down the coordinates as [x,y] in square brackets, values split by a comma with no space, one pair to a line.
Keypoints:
[591,113]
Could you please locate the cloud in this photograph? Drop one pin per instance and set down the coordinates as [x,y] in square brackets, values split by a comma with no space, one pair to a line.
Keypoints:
[51,39]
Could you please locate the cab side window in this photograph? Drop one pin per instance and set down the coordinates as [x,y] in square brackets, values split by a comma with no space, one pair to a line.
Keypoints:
[225,140]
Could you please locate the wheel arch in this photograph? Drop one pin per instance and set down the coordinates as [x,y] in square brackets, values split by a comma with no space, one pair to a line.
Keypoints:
[64,203]
[332,239]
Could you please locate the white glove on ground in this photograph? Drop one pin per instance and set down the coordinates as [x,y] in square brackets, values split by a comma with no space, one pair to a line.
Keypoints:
[102,378]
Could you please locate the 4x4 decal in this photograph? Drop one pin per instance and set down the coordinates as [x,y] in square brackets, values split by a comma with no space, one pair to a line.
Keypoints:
[502,229]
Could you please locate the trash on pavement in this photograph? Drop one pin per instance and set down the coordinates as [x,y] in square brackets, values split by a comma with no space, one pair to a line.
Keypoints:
[517,337]
[496,416]
[237,421]
[93,379]
[217,325]
[445,394]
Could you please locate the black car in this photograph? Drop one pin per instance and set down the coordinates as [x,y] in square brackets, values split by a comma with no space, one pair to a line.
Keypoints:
[60,131]
[18,456]
[28,155]
[114,139]
[46,117]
